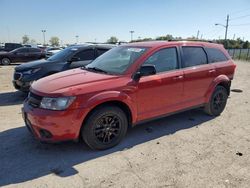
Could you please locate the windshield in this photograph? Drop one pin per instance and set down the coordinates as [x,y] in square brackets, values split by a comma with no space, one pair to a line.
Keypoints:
[63,55]
[117,60]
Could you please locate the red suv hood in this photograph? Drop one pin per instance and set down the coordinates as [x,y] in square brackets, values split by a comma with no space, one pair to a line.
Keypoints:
[71,82]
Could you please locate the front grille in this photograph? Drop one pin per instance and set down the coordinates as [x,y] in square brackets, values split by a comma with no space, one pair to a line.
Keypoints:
[34,100]
[17,75]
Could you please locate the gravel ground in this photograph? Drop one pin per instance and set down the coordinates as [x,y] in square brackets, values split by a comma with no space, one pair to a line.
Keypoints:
[189,149]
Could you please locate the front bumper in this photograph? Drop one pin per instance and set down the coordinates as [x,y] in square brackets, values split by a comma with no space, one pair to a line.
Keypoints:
[53,126]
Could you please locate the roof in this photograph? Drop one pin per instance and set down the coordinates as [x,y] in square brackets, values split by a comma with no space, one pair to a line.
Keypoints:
[170,43]
[108,46]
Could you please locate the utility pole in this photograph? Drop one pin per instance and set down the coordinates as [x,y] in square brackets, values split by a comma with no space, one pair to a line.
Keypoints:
[234,36]
[197,36]
[43,31]
[131,32]
[226,27]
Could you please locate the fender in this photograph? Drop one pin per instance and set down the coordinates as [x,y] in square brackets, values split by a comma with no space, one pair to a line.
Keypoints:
[107,96]
[219,79]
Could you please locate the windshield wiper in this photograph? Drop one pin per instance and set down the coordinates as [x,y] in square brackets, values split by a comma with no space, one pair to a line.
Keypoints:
[96,69]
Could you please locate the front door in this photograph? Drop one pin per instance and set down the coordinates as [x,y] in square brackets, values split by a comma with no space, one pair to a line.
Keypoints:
[84,57]
[160,93]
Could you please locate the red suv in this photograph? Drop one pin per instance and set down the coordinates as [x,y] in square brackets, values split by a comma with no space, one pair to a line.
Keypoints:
[127,85]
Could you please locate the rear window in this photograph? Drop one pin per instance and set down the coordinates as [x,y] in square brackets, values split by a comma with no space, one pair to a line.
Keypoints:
[215,55]
[193,56]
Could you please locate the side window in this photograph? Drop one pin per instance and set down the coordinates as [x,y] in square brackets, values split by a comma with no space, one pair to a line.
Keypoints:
[85,55]
[215,55]
[22,50]
[34,50]
[101,51]
[193,56]
[164,60]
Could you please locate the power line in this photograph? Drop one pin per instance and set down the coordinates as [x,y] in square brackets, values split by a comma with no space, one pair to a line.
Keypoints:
[241,24]
[239,17]
[239,11]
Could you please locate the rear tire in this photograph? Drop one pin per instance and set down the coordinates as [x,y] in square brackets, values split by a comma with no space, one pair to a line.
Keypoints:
[105,127]
[217,101]
[5,61]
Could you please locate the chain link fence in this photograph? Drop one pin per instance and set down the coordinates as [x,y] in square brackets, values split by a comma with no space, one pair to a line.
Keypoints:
[241,54]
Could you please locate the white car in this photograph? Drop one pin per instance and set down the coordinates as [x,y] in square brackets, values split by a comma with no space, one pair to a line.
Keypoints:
[52,51]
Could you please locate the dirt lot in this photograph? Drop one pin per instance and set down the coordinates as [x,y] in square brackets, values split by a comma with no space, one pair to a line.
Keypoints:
[189,149]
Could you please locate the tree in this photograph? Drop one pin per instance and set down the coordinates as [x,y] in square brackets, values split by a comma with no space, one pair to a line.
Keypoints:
[32,41]
[167,37]
[112,40]
[25,39]
[246,44]
[54,41]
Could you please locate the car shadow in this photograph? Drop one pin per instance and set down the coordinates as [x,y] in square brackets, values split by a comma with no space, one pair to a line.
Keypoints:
[12,64]
[12,98]
[23,158]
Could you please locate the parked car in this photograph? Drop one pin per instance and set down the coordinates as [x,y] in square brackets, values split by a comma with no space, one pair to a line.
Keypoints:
[23,54]
[127,85]
[52,51]
[11,46]
[69,58]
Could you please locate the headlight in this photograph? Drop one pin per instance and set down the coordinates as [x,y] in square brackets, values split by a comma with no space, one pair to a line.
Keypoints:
[60,103]
[31,71]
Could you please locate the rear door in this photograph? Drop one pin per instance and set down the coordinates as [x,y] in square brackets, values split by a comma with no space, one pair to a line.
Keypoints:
[198,74]
[34,54]
[85,57]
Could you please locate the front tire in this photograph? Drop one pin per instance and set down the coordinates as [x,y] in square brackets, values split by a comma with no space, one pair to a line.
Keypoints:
[105,127]
[5,61]
[217,101]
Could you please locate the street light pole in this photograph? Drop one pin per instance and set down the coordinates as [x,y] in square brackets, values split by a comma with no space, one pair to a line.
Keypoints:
[77,39]
[131,32]
[43,31]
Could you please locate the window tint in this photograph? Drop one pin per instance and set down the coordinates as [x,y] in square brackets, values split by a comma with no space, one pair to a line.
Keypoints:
[164,60]
[215,55]
[22,50]
[193,56]
[34,50]
[101,51]
[85,55]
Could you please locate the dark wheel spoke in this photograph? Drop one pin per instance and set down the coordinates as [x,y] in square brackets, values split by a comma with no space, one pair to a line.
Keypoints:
[107,128]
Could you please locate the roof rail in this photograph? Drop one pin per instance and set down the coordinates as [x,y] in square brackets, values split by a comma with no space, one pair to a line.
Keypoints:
[194,40]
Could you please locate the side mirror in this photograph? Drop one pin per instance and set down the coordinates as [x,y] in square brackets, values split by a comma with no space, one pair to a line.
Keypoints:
[145,70]
[73,59]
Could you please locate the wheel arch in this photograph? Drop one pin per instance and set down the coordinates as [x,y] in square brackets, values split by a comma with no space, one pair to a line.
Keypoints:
[221,80]
[114,98]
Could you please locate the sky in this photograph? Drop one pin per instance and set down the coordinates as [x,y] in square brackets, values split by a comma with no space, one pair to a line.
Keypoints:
[98,20]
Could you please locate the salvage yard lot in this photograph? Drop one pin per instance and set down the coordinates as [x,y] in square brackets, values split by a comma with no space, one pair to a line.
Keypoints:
[189,149]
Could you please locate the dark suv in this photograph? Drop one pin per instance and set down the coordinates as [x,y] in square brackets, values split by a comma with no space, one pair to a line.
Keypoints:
[69,58]
[11,46]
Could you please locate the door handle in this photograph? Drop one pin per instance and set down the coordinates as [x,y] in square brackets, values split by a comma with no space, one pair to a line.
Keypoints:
[178,77]
[212,71]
